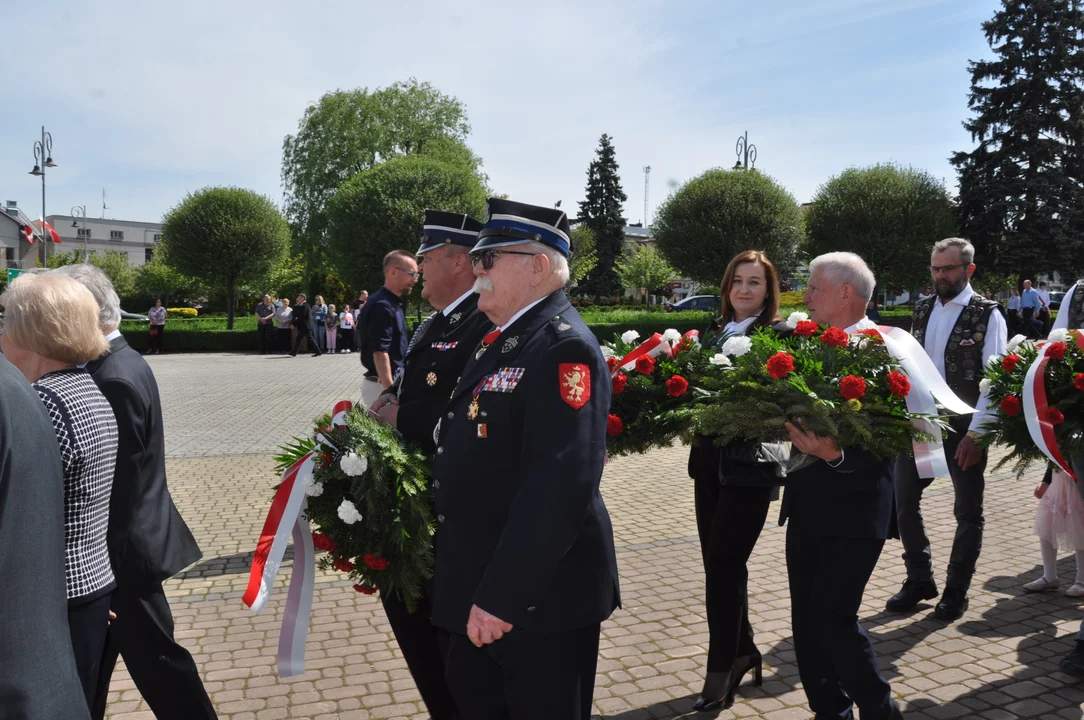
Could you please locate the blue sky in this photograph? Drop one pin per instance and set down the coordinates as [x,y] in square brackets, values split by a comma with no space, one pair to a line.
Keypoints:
[152,102]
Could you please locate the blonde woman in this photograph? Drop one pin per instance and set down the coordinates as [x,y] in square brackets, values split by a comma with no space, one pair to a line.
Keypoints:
[50,330]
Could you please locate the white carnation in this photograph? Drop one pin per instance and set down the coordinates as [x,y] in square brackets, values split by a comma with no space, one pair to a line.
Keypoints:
[1061,335]
[348,513]
[1016,341]
[796,317]
[671,335]
[629,337]
[737,346]
[313,488]
[354,465]
[984,386]
[607,352]
[865,324]
[720,359]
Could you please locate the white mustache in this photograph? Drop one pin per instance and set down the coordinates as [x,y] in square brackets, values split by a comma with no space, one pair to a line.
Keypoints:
[483,284]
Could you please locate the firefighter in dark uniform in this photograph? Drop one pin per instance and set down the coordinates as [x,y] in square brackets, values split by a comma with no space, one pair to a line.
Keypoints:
[433,363]
[525,564]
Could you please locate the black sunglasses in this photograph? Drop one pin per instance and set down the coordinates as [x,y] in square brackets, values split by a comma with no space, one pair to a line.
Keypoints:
[488,257]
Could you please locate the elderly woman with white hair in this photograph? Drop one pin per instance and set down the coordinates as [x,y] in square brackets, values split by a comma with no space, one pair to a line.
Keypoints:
[50,330]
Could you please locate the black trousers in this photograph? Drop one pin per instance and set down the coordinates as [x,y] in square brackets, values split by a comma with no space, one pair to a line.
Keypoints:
[156,333]
[423,650]
[969,487]
[305,331]
[265,333]
[163,671]
[835,657]
[525,675]
[1030,324]
[88,623]
[729,521]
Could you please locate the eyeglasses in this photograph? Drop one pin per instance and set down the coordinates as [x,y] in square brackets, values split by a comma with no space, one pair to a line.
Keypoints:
[488,257]
[935,269]
[411,273]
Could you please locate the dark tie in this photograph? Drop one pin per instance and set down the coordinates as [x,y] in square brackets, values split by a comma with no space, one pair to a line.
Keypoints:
[419,332]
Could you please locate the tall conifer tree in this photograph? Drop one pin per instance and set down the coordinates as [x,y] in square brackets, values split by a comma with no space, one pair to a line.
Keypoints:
[602,212]
[1022,189]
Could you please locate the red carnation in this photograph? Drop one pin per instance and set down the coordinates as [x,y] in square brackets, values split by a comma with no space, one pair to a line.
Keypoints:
[686,343]
[1008,363]
[780,365]
[645,364]
[364,590]
[375,562]
[1079,381]
[343,565]
[835,337]
[1054,416]
[1010,405]
[806,328]
[614,426]
[898,384]
[1056,350]
[873,334]
[612,363]
[320,541]
[677,386]
[619,381]
[852,387]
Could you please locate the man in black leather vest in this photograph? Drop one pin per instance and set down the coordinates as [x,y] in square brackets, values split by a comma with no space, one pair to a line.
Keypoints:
[960,331]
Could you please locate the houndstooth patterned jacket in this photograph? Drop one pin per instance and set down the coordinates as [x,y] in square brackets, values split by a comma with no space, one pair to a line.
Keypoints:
[87,433]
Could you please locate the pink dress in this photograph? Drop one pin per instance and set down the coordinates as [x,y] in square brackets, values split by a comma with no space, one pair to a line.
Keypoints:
[1060,517]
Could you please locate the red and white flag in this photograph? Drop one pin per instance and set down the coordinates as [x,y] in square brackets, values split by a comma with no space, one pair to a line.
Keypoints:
[47,228]
[28,233]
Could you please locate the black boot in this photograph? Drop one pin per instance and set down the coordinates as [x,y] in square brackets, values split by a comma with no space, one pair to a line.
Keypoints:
[911,594]
[1073,663]
[953,605]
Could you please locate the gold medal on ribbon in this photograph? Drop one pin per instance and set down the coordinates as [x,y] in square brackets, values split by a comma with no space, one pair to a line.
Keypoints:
[431,379]
[472,409]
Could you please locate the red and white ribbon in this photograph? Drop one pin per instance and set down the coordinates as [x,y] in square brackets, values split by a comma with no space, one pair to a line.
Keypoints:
[926,386]
[652,347]
[285,518]
[1037,409]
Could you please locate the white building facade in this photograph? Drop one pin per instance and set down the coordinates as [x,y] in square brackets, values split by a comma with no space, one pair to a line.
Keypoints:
[137,240]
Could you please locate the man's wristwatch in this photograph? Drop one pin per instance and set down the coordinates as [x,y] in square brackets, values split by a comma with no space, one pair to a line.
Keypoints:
[973,435]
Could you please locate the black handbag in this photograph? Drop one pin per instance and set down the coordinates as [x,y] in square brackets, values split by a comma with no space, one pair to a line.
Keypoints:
[745,464]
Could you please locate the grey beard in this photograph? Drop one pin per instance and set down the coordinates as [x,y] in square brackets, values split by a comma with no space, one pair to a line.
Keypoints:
[483,284]
[947,294]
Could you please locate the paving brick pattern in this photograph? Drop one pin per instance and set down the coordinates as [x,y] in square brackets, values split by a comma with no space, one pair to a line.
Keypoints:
[225,414]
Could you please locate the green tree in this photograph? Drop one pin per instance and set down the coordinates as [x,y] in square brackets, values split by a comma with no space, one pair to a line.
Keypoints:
[890,215]
[584,256]
[381,209]
[1021,198]
[157,279]
[349,131]
[721,213]
[601,211]
[113,263]
[224,236]
[645,270]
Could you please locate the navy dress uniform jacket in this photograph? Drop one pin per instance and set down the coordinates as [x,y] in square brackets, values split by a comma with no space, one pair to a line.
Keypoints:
[522,530]
[432,367]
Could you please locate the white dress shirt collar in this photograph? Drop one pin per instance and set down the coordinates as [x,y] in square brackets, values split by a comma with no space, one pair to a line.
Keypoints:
[519,314]
[448,310]
[735,327]
[962,299]
[113,335]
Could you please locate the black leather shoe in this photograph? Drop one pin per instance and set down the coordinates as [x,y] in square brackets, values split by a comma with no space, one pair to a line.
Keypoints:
[1074,664]
[953,605]
[911,594]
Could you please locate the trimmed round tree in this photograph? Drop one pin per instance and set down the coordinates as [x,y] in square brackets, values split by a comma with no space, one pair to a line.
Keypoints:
[381,209]
[721,213]
[224,236]
[890,215]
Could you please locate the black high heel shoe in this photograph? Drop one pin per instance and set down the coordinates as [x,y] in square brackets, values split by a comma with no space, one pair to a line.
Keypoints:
[736,675]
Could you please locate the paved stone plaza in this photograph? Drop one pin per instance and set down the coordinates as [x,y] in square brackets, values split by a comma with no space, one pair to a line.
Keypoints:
[225,415]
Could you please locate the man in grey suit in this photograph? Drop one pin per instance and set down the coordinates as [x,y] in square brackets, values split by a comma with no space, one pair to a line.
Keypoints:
[38,680]
[148,540]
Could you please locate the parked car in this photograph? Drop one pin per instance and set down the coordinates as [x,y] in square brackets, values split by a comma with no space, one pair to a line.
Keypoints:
[1055,299]
[131,316]
[695,302]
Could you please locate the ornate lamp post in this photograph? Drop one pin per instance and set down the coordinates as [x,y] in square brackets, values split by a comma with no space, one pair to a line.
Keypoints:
[43,158]
[80,213]
[747,154]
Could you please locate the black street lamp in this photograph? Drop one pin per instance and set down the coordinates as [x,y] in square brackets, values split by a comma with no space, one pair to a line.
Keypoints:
[747,154]
[80,213]
[43,158]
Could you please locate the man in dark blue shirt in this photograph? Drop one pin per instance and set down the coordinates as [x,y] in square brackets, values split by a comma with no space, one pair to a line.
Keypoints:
[382,334]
